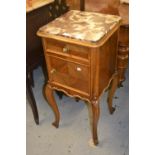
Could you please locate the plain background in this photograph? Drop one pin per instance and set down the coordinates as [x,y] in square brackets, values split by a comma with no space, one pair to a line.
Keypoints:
[13,81]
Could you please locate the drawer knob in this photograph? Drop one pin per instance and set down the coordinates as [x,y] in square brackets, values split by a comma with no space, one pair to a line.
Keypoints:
[53,71]
[78,69]
[65,49]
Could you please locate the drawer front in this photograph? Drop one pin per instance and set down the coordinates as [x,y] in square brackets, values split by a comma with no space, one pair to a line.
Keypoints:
[66,49]
[68,74]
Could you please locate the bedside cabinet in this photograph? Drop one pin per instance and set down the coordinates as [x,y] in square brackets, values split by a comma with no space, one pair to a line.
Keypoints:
[80,49]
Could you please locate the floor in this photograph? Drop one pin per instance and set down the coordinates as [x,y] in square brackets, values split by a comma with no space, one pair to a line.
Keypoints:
[74,134]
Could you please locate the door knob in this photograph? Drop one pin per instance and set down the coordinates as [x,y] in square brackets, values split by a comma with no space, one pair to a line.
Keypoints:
[53,71]
[65,49]
[78,69]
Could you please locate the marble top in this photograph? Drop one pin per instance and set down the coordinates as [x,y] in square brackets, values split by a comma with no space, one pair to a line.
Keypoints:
[81,25]
[35,4]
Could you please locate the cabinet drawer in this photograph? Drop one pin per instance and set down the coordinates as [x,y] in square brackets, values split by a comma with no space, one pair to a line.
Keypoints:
[66,49]
[68,74]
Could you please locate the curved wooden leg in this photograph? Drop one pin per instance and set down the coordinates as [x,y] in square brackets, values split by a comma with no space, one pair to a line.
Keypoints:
[51,101]
[95,118]
[114,84]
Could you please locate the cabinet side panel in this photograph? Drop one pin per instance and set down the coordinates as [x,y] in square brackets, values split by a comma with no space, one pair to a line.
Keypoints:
[108,61]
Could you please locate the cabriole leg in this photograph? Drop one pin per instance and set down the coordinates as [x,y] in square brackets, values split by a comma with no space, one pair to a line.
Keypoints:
[95,118]
[51,101]
[112,90]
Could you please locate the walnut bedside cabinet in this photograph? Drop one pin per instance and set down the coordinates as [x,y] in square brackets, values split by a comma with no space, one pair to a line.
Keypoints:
[81,55]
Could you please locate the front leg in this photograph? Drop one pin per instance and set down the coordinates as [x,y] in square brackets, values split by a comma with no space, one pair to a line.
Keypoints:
[51,101]
[114,84]
[95,118]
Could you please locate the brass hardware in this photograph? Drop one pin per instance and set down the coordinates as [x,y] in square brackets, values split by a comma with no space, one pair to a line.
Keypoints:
[79,69]
[53,71]
[65,49]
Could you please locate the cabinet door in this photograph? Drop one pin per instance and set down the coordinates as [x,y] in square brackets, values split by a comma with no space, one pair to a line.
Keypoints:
[68,74]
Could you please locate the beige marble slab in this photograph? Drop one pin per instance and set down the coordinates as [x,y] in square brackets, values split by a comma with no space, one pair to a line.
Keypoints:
[81,25]
[36,4]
